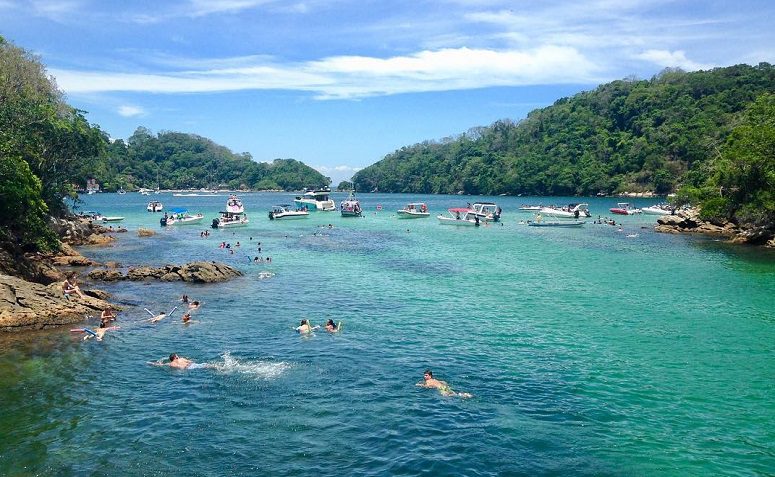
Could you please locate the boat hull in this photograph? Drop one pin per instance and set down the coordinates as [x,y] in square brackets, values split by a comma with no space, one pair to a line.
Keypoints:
[314,206]
[408,214]
[457,222]
[655,211]
[287,216]
[557,224]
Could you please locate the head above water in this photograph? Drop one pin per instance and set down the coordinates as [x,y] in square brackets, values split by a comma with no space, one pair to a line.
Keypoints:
[428,374]
[303,322]
[173,357]
[330,322]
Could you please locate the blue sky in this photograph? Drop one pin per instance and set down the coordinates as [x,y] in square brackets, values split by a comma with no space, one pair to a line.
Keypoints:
[338,84]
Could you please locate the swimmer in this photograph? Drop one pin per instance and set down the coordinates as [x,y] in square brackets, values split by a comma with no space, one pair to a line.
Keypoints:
[194,305]
[430,382]
[107,315]
[304,327]
[179,362]
[186,318]
[332,327]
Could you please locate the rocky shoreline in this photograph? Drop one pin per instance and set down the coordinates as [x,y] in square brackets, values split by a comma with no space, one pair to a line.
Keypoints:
[31,296]
[689,222]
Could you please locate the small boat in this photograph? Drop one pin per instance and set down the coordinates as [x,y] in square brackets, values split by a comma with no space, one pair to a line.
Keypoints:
[460,216]
[557,223]
[180,217]
[144,191]
[234,205]
[487,211]
[179,194]
[351,207]
[230,219]
[570,211]
[624,208]
[114,218]
[529,208]
[122,191]
[285,211]
[90,215]
[414,210]
[315,200]
[154,206]
[658,209]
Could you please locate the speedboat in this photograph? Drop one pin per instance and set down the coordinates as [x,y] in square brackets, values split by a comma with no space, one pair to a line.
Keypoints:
[90,215]
[154,206]
[122,191]
[230,219]
[570,211]
[286,212]
[350,207]
[658,209]
[487,211]
[624,208]
[180,217]
[314,200]
[180,194]
[529,208]
[114,218]
[459,216]
[234,205]
[414,210]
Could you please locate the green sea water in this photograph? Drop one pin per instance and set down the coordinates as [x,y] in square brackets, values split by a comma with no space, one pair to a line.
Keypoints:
[589,351]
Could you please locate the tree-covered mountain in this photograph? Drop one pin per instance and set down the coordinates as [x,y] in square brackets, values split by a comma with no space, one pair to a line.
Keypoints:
[174,160]
[626,135]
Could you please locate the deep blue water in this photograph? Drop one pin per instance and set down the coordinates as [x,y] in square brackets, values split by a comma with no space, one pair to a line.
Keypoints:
[589,352]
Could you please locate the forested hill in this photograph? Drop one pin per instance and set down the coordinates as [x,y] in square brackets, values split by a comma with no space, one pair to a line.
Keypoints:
[626,135]
[178,160]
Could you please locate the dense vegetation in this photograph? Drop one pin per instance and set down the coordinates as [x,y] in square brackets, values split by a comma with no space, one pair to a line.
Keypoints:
[174,160]
[624,136]
[739,184]
[42,141]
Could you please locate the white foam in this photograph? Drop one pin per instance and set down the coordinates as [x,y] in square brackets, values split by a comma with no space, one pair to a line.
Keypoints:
[257,369]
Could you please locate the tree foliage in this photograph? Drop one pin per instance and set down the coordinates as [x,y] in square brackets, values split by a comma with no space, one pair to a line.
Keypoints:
[175,160]
[624,136]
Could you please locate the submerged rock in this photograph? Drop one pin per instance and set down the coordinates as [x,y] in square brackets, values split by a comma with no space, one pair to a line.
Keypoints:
[196,272]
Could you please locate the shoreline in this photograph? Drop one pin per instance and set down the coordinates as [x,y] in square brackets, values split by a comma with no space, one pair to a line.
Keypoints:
[688,222]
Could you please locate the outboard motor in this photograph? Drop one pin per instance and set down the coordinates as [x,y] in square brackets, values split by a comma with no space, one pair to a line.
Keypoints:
[271,215]
[214,224]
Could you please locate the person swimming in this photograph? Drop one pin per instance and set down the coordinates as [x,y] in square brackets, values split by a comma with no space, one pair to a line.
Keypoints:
[304,327]
[430,382]
[332,327]
[180,362]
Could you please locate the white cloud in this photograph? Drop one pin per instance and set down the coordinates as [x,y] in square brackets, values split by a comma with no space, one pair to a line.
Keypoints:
[348,77]
[207,7]
[665,59]
[129,111]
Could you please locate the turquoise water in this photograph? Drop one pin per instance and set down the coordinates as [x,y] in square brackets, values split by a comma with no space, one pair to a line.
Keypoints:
[588,352]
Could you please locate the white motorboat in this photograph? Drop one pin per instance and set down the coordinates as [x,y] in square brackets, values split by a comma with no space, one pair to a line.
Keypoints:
[180,217]
[487,211]
[351,207]
[121,191]
[234,205]
[530,208]
[180,194]
[570,211]
[114,218]
[316,200]
[624,208]
[414,210]
[462,216]
[285,212]
[659,209]
[230,219]
[556,223]
[154,206]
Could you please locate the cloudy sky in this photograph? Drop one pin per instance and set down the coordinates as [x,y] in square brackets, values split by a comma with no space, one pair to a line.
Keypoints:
[338,84]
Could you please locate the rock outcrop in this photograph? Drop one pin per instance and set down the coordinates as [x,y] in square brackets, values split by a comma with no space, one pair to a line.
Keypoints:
[196,272]
[32,306]
[689,222]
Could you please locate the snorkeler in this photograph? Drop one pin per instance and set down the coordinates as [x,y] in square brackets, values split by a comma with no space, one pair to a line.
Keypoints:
[430,382]
[304,327]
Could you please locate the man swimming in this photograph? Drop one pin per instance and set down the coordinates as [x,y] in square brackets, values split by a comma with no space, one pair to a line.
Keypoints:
[180,362]
[430,382]
[332,327]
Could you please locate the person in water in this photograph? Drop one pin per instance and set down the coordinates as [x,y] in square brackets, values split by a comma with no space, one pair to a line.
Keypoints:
[180,362]
[194,305]
[304,327]
[332,327]
[107,316]
[430,382]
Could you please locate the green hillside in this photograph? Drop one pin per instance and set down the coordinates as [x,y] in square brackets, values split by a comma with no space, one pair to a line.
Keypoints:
[174,160]
[626,135]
